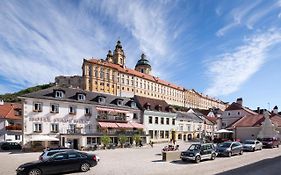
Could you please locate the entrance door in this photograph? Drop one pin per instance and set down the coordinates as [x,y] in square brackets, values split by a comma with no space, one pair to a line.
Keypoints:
[75,143]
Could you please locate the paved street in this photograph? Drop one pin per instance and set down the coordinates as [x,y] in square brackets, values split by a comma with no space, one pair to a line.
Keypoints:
[147,160]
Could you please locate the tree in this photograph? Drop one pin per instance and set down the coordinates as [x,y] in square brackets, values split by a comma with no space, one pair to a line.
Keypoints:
[122,139]
[105,139]
[137,139]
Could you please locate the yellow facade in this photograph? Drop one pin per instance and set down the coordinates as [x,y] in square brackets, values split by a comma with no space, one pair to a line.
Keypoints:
[112,77]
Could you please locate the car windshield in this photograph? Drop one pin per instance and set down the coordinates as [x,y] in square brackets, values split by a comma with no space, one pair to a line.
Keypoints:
[249,142]
[225,145]
[194,147]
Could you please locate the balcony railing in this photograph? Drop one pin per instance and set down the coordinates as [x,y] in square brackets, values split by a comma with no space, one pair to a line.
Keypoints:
[13,127]
[74,131]
[111,118]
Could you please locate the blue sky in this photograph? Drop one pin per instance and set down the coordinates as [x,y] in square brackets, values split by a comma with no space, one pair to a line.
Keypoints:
[226,49]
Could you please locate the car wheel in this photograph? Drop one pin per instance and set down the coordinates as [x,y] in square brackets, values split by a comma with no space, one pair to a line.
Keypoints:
[197,159]
[241,152]
[35,171]
[229,154]
[213,156]
[85,167]
[277,146]
[184,160]
[254,149]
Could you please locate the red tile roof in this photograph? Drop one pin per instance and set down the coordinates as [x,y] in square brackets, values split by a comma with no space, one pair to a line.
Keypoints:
[255,120]
[211,119]
[133,72]
[8,111]
[237,106]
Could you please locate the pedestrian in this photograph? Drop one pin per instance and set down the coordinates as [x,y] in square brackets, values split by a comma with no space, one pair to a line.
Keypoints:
[151,144]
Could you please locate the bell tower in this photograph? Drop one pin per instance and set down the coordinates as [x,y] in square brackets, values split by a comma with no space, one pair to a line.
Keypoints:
[118,55]
[143,65]
[109,57]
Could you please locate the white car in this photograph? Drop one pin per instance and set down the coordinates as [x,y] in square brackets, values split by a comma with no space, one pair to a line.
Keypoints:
[252,145]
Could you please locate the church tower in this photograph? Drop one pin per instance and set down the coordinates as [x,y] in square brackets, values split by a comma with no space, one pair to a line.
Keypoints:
[143,65]
[118,55]
[109,57]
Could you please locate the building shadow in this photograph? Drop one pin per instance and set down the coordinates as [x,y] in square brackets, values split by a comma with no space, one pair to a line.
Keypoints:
[269,166]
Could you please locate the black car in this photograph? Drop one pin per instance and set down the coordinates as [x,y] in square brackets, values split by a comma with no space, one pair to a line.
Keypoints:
[10,146]
[68,161]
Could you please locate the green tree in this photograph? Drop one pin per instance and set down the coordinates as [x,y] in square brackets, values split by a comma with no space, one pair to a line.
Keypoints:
[106,140]
[122,139]
[137,139]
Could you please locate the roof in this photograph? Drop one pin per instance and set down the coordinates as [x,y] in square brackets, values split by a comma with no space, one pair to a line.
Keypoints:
[237,106]
[70,95]
[188,116]
[255,121]
[9,111]
[154,104]
[212,119]
[143,61]
[133,72]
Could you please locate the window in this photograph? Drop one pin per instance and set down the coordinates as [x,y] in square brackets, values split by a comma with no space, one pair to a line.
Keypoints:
[73,155]
[150,133]
[162,134]
[87,111]
[54,127]
[162,120]
[173,121]
[101,99]
[238,113]
[81,97]
[37,127]
[37,107]
[17,137]
[90,70]
[119,102]
[167,121]
[59,94]
[62,156]
[156,120]
[135,116]
[54,108]
[150,119]
[72,109]
[166,134]
[229,113]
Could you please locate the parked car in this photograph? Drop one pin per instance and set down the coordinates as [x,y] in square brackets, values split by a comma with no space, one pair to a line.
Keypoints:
[62,162]
[252,145]
[270,142]
[230,148]
[10,146]
[198,152]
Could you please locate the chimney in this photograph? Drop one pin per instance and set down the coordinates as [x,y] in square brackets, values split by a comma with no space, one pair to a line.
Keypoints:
[258,110]
[239,101]
[275,110]
[1,102]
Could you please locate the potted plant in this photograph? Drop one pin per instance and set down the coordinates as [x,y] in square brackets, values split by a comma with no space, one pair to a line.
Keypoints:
[105,139]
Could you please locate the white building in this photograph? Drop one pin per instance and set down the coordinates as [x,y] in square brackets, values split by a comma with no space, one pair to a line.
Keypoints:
[74,118]
[10,122]
[158,118]
[234,112]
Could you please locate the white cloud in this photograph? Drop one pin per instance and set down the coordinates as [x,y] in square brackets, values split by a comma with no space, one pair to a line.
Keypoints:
[279,15]
[218,11]
[230,70]
[237,15]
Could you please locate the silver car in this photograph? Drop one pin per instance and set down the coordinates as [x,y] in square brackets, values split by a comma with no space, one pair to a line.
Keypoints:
[252,145]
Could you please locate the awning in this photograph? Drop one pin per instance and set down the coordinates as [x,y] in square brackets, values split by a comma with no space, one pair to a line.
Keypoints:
[221,131]
[125,125]
[108,125]
[43,138]
[137,125]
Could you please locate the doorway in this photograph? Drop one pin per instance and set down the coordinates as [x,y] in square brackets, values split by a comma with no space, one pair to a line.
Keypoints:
[75,143]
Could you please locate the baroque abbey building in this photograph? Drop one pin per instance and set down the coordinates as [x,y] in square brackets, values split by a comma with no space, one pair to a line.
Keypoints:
[113,77]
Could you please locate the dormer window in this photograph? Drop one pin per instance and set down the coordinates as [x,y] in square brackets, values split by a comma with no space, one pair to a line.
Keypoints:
[81,97]
[119,102]
[59,94]
[101,100]
[147,106]
[159,108]
[133,104]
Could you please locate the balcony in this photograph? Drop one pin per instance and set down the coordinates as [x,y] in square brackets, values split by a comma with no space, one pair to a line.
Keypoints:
[14,127]
[74,131]
[110,118]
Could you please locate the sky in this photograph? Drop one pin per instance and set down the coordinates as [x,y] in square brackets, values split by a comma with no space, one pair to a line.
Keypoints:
[225,49]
